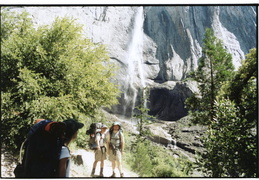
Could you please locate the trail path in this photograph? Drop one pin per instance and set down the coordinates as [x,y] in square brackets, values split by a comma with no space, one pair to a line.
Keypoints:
[85,169]
[82,171]
[7,164]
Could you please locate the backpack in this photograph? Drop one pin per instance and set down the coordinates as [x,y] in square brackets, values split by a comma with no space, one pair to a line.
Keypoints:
[92,131]
[120,132]
[42,149]
[111,131]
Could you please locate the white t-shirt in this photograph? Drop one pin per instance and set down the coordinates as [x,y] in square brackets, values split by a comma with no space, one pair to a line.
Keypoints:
[102,139]
[65,154]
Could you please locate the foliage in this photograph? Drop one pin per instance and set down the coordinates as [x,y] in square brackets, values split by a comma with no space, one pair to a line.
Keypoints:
[222,141]
[142,161]
[228,105]
[151,160]
[230,141]
[244,93]
[147,159]
[165,165]
[230,152]
[242,90]
[215,68]
[51,72]
[142,116]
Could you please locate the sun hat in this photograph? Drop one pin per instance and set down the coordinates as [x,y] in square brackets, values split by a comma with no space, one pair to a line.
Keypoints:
[116,123]
[104,126]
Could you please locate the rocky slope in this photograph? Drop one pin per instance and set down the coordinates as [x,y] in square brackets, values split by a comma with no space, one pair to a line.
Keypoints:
[187,137]
[157,45]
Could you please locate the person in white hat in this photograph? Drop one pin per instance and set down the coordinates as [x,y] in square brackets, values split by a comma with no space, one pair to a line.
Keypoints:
[115,144]
[100,152]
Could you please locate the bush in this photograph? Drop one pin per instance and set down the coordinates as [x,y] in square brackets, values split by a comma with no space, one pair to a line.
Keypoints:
[152,160]
[52,72]
[142,161]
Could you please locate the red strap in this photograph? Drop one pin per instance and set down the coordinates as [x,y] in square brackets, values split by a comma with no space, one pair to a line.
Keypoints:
[38,120]
[47,128]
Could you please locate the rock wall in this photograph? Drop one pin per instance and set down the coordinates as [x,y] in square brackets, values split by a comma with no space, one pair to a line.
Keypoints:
[157,46]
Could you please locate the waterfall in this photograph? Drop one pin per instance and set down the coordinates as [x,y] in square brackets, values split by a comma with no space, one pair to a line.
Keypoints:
[175,144]
[134,61]
[172,144]
[135,49]
[138,40]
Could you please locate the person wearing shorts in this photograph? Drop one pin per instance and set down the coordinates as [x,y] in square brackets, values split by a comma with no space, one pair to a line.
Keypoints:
[115,144]
[100,152]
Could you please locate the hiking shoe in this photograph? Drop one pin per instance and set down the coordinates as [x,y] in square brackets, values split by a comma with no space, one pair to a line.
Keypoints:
[113,175]
[122,175]
[93,171]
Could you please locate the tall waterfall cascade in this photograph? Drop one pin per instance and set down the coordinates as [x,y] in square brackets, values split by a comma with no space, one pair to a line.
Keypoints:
[135,49]
[134,58]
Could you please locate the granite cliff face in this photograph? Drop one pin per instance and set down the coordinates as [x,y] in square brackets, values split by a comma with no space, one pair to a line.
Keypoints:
[157,46]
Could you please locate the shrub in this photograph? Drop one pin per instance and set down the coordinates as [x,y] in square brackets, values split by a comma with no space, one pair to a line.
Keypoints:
[52,72]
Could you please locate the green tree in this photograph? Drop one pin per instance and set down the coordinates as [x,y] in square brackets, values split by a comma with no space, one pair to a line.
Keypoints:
[51,72]
[244,93]
[214,69]
[222,142]
[142,161]
[242,90]
[142,115]
[230,141]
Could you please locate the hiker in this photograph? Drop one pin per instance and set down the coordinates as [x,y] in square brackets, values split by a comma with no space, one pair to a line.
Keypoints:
[41,150]
[100,152]
[72,127]
[115,144]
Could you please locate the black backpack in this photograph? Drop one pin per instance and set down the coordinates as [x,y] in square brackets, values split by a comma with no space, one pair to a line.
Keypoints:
[42,149]
[92,131]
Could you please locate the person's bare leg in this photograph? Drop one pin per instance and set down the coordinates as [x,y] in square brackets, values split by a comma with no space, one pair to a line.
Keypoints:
[120,168]
[94,166]
[101,170]
[113,168]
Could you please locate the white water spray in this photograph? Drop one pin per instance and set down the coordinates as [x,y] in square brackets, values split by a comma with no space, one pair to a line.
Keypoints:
[175,144]
[135,59]
[135,50]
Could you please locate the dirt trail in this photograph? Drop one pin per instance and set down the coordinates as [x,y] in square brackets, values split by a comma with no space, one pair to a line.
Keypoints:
[7,164]
[85,169]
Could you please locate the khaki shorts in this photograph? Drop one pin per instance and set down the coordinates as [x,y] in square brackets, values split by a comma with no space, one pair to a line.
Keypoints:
[115,156]
[99,155]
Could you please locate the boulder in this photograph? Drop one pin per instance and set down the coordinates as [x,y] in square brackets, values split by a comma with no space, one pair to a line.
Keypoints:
[159,134]
[77,159]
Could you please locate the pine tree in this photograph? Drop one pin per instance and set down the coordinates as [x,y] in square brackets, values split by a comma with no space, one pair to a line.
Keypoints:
[231,139]
[142,116]
[215,68]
